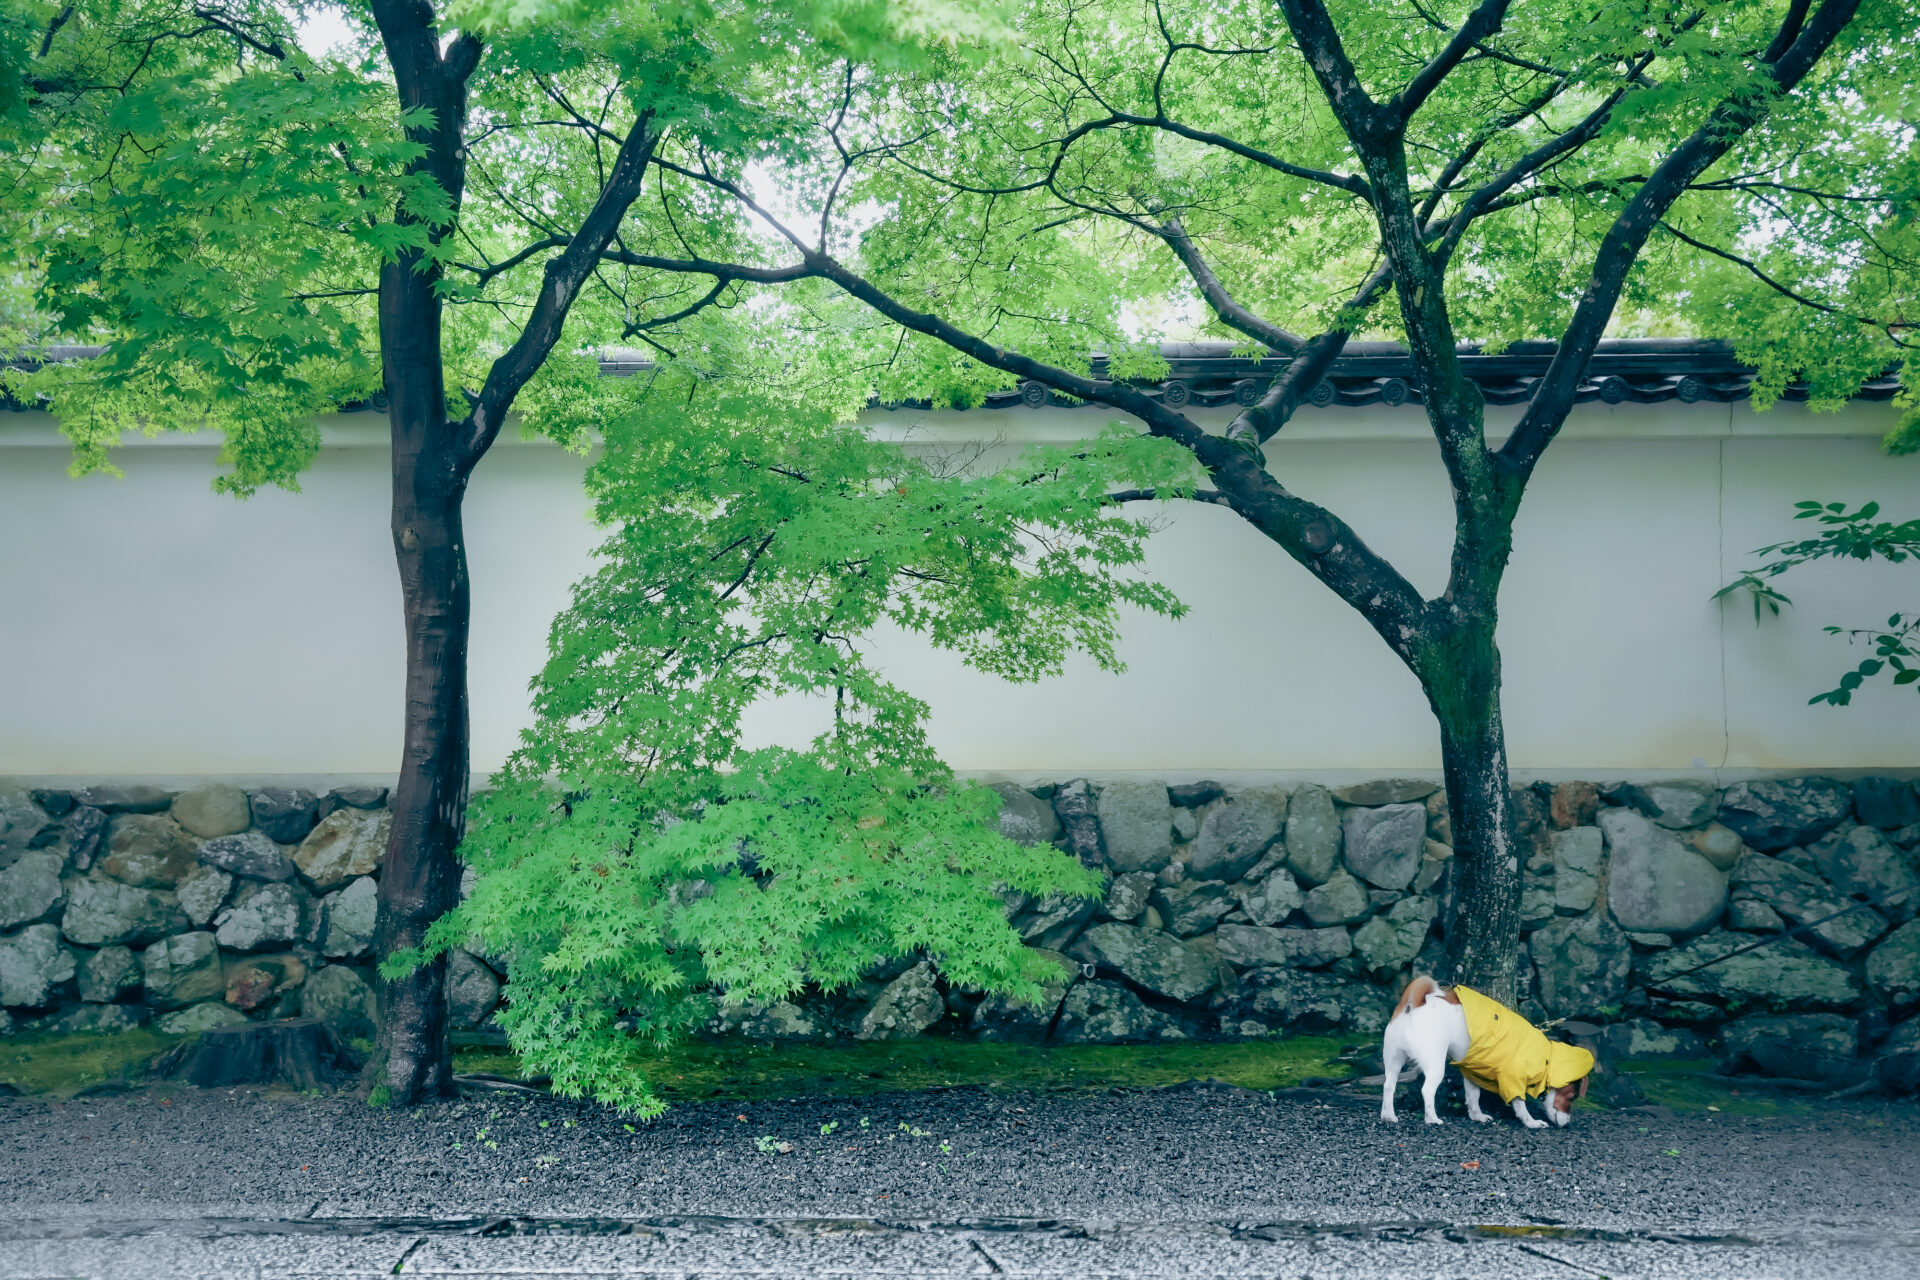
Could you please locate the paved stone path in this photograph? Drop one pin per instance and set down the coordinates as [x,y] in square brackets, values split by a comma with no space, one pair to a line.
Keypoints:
[1173,1183]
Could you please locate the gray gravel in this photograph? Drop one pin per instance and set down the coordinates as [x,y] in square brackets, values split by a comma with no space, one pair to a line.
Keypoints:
[1188,1181]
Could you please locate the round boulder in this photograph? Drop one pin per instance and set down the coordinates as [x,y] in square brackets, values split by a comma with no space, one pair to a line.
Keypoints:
[1655,884]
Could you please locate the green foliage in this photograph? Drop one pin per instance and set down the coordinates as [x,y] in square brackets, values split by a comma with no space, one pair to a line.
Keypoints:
[1847,535]
[639,847]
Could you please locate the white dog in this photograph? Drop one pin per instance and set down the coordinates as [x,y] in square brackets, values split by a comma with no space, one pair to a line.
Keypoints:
[1494,1047]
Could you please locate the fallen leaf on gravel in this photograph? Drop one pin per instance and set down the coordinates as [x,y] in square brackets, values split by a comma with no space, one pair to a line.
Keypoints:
[1470,1165]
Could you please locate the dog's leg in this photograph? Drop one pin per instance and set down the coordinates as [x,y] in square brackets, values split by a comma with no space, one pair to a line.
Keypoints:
[1395,1055]
[1525,1116]
[1474,1113]
[1433,1069]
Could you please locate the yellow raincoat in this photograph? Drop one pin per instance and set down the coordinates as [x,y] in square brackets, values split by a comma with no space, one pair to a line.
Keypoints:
[1510,1056]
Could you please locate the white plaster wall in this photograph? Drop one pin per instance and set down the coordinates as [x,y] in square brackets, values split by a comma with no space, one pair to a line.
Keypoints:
[150,627]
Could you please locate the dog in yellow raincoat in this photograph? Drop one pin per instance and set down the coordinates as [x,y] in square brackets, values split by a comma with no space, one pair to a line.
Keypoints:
[1495,1048]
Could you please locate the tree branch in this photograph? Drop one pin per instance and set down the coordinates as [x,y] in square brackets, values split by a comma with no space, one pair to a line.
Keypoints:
[564,277]
[1230,312]
[1725,125]
[1481,23]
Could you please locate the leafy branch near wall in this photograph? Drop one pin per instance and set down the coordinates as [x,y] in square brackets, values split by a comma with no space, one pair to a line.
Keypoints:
[639,848]
[1850,535]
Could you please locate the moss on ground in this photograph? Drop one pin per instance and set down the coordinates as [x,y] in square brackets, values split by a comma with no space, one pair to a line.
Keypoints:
[1684,1086]
[741,1070]
[58,1067]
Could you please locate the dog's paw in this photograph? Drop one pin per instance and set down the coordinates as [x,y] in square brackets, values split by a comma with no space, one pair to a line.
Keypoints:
[1531,1123]
[1434,1120]
[1389,1117]
[1481,1118]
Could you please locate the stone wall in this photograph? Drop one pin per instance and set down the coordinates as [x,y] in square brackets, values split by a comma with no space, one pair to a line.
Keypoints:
[127,905]
[1231,912]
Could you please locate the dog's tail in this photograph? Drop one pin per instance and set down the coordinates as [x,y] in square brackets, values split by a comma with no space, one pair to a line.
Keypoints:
[1416,994]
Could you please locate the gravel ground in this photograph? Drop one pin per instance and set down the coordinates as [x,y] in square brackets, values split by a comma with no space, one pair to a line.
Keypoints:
[1196,1180]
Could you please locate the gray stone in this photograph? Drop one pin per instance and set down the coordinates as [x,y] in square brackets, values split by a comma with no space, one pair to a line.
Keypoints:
[1676,804]
[1391,940]
[1538,902]
[1154,961]
[57,803]
[347,843]
[183,969]
[1074,804]
[1108,1013]
[1893,967]
[136,798]
[203,893]
[86,836]
[1328,1002]
[472,990]
[1001,1017]
[1655,884]
[148,851]
[103,912]
[1770,816]
[337,995]
[1250,946]
[98,1019]
[1053,916]
[286,814]
[1386,791]
[1192,906]
[349,915]
[1236,833]
[1803,897]
[1127,896]
[1804,1046]
[1383,845]
[1719,845]
[195,1019]
[1341,900]
[262,916]
[765,1020]
[1024,817]
[1753,916]
[1193,795]
[1313,834]
[1887,803]
[1186,825]
[33,966]
[1861,863]
[251,855]
[1644,1040]
[1651,941]
[1897,1060]
[1271,899]
[907,1006]
[1787,974]
[212,810]
[108,974]
[1582,965]
[1136,825]
[30,889]
[1577,853]
[363,797]
[21,821]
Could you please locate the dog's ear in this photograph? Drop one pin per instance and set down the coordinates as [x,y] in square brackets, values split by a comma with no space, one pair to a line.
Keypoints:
[1583,1085]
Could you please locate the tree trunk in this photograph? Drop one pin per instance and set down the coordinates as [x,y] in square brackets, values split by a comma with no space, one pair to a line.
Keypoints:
[1483,933]
[421,880]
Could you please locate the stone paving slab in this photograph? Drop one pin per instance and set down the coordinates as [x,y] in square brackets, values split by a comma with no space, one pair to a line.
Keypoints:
[816,1249]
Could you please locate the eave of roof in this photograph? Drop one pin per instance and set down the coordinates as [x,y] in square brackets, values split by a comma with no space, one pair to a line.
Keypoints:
[1622,371]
